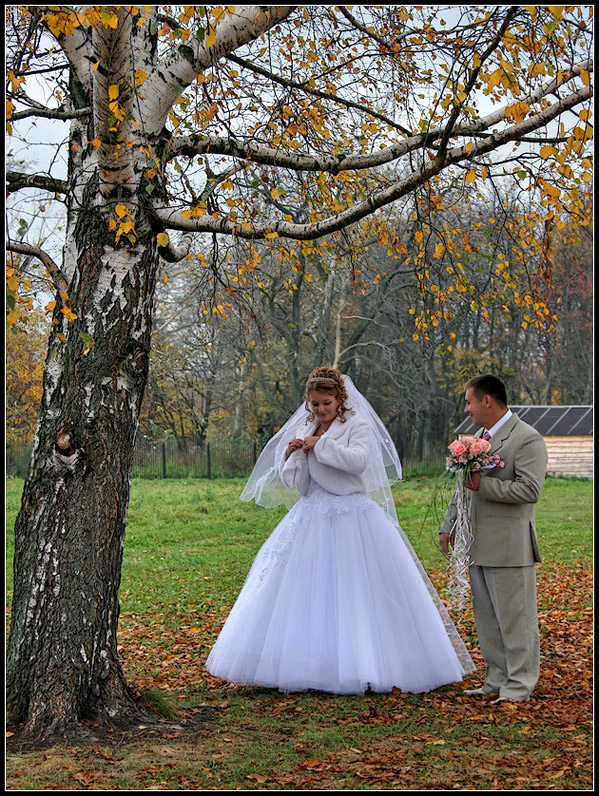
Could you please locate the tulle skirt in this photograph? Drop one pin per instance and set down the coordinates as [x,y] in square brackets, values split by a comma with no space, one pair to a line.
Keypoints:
[334,601]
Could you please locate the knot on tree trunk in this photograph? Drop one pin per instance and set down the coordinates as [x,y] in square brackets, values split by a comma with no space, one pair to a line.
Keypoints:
[140,360]
[65,452]
[64,444]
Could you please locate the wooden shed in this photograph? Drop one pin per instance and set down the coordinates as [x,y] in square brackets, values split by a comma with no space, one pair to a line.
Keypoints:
[568,434]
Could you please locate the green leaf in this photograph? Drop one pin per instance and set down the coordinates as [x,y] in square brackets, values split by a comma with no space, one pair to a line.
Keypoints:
[88,340]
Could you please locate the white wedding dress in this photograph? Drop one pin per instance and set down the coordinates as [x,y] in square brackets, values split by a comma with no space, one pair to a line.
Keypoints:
[336,602]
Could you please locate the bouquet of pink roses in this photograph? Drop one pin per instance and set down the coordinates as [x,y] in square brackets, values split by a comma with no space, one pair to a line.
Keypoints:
[468,455]
[471,454]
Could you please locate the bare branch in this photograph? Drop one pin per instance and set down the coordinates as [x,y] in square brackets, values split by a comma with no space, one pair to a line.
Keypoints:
[175,253]
[50,113]
[262,153]
[17,180]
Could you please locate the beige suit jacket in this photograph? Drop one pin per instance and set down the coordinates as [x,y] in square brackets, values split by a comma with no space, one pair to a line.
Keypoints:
[503,508]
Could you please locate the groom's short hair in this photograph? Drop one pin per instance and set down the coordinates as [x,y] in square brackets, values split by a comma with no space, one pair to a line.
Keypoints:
[489,385]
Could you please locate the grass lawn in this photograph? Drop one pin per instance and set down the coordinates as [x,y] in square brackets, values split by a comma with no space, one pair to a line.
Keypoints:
[188,548]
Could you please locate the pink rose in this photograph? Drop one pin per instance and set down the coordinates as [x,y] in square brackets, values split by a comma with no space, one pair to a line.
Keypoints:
[458,448]
[479,446]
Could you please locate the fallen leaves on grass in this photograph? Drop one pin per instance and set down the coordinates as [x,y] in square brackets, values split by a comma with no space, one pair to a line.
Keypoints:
[453,742]
[160,658]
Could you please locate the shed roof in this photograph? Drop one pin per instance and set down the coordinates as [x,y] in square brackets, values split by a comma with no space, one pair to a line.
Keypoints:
[550,421]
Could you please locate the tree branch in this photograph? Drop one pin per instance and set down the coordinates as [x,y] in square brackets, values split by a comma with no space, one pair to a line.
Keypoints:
[50,113]
[333,164]
[58,278]
[75,45]
[543,91]
[292,84]
[173,219]
[457,107]
[17,180]
[262,153]
[180,69]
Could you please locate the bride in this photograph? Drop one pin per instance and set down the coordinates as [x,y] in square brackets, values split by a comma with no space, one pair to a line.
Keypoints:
[336,599]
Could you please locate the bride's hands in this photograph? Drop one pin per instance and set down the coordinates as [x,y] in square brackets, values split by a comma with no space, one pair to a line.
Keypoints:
[309,443]
[293,446]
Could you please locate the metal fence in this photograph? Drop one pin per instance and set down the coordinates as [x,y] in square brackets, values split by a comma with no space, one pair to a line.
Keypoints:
[226,458]
[169,459]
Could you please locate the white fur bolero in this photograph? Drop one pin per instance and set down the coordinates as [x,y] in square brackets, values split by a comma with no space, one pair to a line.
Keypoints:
[337,462]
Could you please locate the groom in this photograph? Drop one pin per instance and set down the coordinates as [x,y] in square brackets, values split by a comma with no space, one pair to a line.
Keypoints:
[504,549]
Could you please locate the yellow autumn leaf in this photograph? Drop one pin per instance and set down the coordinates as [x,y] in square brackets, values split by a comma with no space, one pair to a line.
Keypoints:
[109,20]
[585,77]
[496,78]
[471,176]
[113,92]
[532,10]
[547,150]
[140,76]
[121,210]
[15,81]
[68,313]
[439,249]
[96,142]
[211,37]
[195,212]
[162,239]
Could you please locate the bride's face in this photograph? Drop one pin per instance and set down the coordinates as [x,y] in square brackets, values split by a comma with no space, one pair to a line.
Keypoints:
[324,405]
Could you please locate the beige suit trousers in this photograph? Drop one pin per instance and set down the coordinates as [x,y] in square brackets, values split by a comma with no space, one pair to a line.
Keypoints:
[505,611]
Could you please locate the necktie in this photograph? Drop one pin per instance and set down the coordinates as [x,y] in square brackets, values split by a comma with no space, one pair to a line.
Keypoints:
[486,435]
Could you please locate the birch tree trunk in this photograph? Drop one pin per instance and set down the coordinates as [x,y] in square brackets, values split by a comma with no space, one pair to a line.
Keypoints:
[62,661]
[62,664]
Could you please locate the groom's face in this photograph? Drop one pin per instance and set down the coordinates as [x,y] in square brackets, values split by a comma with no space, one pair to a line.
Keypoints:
[476,407]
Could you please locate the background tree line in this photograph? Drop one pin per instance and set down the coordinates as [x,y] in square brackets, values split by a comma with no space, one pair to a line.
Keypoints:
[233,365]
[236,367]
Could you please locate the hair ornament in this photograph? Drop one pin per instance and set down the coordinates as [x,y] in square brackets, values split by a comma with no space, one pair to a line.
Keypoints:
[322,380]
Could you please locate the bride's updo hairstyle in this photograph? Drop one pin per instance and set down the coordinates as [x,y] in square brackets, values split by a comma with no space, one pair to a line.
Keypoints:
[327,380]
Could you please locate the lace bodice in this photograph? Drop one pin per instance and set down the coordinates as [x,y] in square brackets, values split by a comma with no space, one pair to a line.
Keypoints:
[276,551]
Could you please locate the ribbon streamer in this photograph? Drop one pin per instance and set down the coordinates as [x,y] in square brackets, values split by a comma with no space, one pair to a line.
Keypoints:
[459,582]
